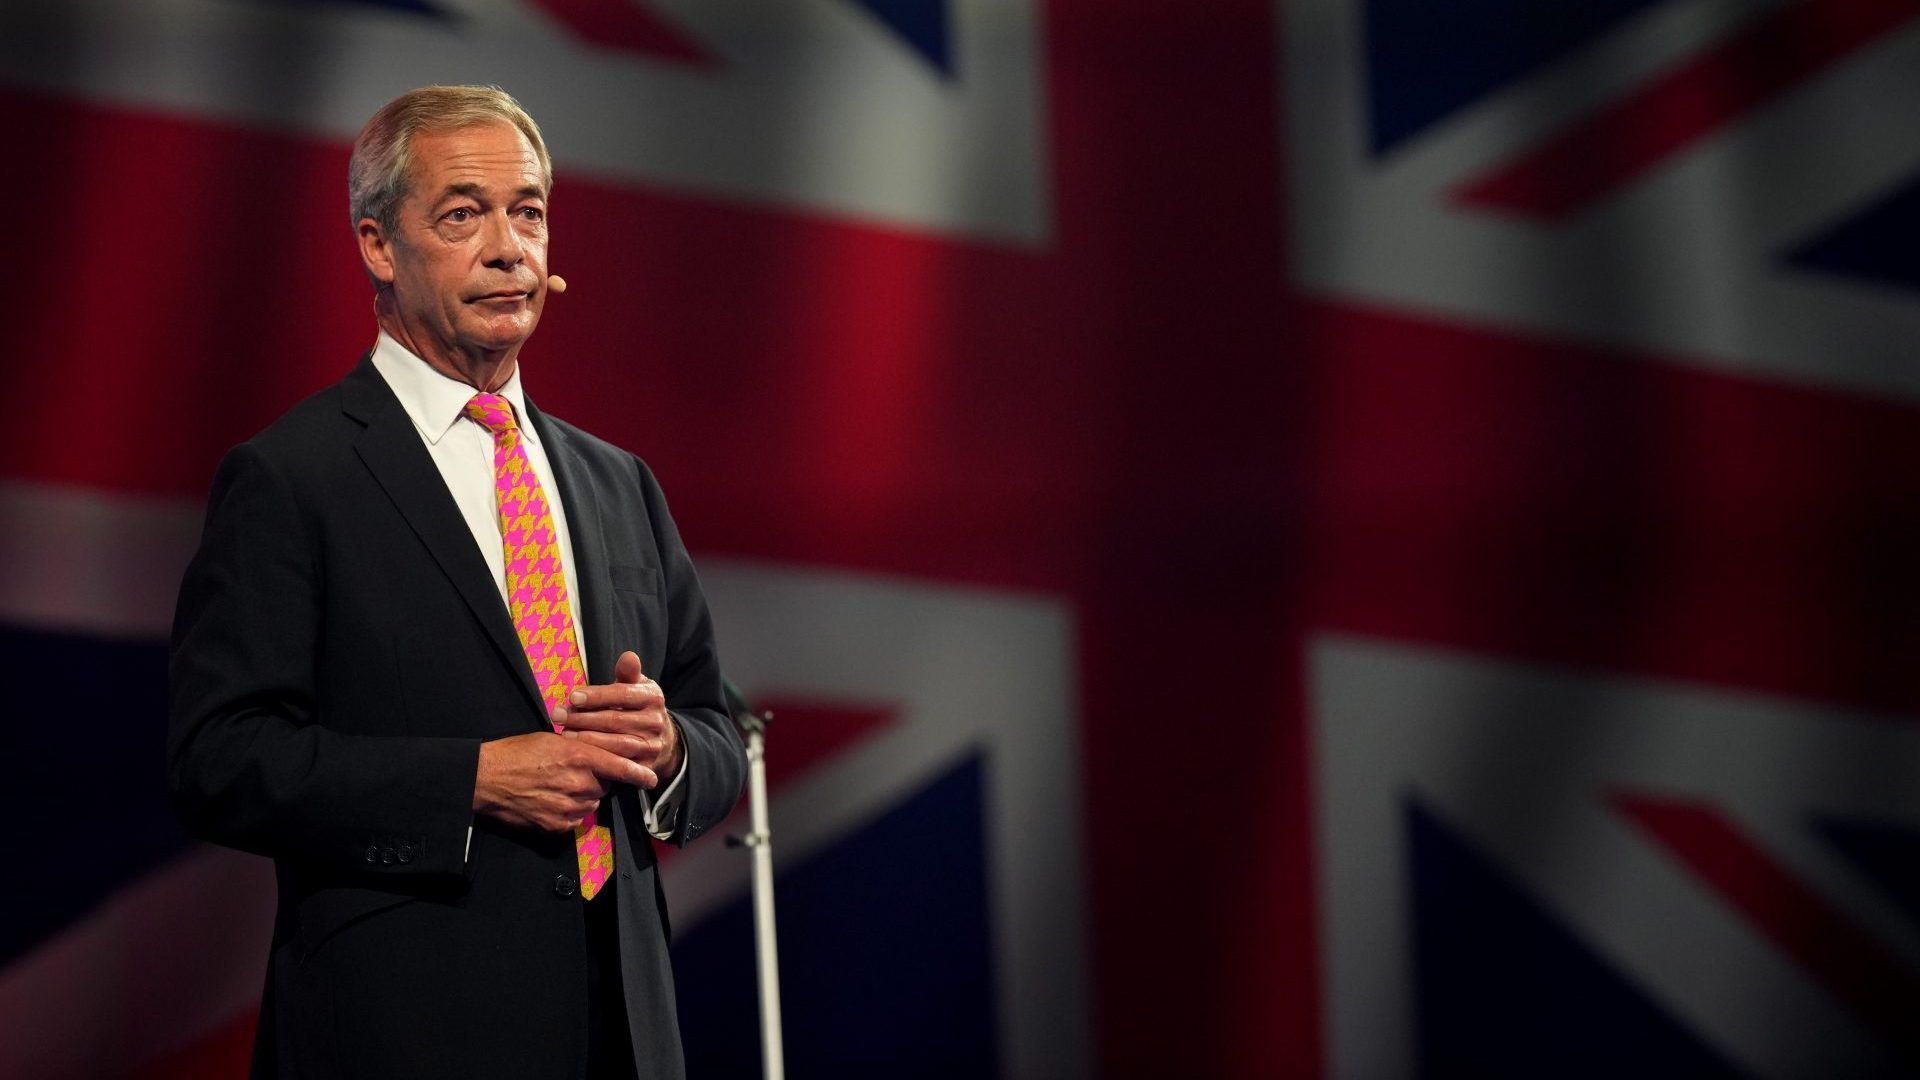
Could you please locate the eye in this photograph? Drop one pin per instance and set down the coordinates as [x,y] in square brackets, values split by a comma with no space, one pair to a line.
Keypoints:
[533,213]
[460,214]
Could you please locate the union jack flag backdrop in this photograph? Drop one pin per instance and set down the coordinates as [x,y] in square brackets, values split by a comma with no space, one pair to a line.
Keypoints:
[1346,537]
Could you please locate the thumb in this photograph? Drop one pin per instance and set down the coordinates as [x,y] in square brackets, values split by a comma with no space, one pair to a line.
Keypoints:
[627,668]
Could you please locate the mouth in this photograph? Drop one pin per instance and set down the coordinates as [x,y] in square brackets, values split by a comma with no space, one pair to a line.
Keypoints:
[499,295]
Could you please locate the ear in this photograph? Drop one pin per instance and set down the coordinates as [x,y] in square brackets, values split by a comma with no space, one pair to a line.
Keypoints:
[376,251]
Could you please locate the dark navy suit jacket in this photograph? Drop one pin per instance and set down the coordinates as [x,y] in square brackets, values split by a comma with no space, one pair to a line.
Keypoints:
[339,653]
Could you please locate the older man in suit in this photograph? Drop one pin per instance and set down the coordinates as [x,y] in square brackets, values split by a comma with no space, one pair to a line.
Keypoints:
[445,660]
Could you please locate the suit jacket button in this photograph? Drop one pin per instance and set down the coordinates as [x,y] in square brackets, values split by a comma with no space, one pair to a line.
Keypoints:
[564,886]
[387,855]
[405,853]
[373,853]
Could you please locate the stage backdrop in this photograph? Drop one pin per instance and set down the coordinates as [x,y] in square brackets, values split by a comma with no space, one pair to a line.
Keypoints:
[1336,537]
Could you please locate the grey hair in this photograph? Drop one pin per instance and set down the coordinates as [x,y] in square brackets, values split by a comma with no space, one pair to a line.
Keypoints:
[382,161]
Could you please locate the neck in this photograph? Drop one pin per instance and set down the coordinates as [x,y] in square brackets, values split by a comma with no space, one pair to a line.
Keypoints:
[486,372]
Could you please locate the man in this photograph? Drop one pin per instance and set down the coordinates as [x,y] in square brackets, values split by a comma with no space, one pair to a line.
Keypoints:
[445,660]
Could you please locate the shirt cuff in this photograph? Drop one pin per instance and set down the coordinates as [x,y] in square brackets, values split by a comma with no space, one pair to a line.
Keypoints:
[660,810]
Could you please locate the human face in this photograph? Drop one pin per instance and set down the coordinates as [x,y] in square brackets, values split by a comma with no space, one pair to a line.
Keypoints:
[467,259]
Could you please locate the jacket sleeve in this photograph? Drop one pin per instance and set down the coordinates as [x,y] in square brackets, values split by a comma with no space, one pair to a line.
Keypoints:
[716,761]
[249,764]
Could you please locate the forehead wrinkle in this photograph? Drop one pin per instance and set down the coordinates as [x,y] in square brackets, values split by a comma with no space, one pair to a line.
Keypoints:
[476,190]
[474,171]
[463,160]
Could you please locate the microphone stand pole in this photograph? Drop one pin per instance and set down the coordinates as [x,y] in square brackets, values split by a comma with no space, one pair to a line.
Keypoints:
[759,845]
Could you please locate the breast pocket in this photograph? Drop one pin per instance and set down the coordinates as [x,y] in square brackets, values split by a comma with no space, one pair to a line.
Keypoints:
[636,579]
[639,613]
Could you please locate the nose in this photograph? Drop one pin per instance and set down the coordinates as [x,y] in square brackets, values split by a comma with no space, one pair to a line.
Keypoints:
[503,250]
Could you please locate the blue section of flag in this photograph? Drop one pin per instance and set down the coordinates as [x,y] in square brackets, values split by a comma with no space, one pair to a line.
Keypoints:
[922,24]
[87,777]
[1887,855]
[885,955]
[1877,244]
[1427,60]
[1506,991]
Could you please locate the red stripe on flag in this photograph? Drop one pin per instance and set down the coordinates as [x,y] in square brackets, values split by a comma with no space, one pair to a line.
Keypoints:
[1592,160]
[625,25]
[1818,936]
[803,734]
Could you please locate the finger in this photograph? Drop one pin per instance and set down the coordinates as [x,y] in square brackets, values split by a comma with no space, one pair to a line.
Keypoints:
[566,813]
[616,715]
[635,695]
[633,747]
[584,787]
[611,766]
[646,723]
[627,668]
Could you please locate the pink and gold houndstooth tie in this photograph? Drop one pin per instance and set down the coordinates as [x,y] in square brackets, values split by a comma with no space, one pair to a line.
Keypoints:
[537,597]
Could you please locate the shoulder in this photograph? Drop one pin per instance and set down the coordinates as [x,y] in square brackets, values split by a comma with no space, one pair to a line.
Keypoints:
[581,441]
[307,447]
[603,458]
[306,427]
[329,421]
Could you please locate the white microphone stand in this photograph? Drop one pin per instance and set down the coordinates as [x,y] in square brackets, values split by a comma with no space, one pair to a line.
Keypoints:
[759,844]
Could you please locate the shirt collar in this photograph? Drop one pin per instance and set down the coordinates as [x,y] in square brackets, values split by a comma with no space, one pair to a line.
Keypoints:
[434,401]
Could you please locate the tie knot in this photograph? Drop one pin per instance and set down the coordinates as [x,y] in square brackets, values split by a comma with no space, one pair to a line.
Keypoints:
[493,412]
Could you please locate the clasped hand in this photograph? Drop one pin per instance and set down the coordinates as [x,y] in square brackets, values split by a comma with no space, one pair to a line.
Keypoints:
[614,733]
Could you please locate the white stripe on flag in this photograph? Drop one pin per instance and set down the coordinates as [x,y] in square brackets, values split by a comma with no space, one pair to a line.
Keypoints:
[91,562]
[161,964]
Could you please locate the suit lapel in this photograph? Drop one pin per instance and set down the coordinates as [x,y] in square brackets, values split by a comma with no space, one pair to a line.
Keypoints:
[391,449]
[580,501]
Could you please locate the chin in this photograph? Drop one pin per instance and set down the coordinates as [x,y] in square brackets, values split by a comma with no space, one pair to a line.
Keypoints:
[495,336]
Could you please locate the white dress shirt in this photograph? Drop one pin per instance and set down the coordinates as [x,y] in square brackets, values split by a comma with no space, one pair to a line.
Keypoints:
[463,452]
